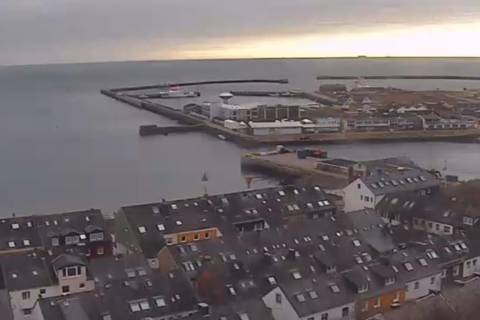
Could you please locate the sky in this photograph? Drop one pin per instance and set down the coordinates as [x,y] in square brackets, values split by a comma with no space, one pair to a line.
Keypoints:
[60,31]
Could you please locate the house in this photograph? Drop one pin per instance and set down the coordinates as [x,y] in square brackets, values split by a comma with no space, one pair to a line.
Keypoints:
[384,177]
[138,297]
[30,276]
[378,290]
[82,231]
[150,228]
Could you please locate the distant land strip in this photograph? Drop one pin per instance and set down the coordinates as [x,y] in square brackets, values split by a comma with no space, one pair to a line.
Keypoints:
[408,77]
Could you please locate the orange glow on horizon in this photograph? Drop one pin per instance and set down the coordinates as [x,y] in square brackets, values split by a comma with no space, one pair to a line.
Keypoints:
[428,40]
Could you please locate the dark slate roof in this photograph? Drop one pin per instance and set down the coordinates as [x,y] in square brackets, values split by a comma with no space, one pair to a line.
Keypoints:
[35,231]
[224,211]
[404,180]
[113,298]
[25,270]
[67,260]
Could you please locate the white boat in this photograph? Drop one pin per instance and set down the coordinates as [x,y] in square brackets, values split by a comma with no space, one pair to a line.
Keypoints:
[221,137]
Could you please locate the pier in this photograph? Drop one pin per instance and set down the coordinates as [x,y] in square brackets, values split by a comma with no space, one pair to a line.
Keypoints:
[150,130]
[197,83]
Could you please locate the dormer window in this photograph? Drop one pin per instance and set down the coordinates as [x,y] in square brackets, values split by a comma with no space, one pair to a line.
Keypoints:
[26,242]
[11,244]
[363,288]
[15,226]
[161,227]
[55,242]
[331,269]
[296,275]
[142,229]
[408,266]
[97,236]
[174,206]
[72,271]
[389,281]
[72,239]
[159,302]
[83,236]
[334,288]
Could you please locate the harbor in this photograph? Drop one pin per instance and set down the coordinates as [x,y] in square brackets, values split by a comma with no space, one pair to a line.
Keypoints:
[331,114]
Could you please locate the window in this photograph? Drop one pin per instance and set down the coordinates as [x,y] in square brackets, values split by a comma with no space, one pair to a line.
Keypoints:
[313,294]
[432,280]
[65,289]
[447,229]
[359,186]
[272,280]
[296,275]
[142,229]
[207,235]
[26,242]
[356,243]
[159,302]
[416,285]
[408,266]
[367,199]
[55,242]
[81,285]
[134,306]
[15,226]
[130,273]
[11,244]
[97,236]
[345,312]
[106,316]
[278,298]
[437,226]
[144,305]
[396,299]
[378,303]
[100,251]
[324,316]
[26,295]
[42,291]
[72,239]
[196,236]
[334,288]
[300,297]
[183,239]
[423,262]
[474,262]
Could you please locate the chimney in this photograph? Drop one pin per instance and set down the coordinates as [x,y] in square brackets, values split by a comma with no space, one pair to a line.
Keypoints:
[291,254]
[203,309]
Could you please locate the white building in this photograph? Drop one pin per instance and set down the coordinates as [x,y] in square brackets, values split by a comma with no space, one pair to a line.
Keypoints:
[276,127]
[295,306]
[367,192]
[30,277]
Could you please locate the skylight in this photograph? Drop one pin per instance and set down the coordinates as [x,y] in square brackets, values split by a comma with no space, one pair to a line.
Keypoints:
[155,209]
[15,226]
[161,227]
[313,294]
[26,242]
[160,302]
[178,222]
[296,275]
[334,288]
[356,243]
[300,297]
[142,229]
[408,266]
[272,280]
[423,262]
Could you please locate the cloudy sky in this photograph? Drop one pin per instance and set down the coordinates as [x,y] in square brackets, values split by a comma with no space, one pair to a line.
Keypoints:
[56,31]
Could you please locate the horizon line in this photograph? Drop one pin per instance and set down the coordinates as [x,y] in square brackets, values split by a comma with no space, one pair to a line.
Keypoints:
[359,57]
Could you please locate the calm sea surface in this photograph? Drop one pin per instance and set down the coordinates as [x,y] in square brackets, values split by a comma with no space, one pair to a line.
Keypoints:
[64,146]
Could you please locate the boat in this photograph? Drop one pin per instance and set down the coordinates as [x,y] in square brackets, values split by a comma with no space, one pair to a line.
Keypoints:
[221,137]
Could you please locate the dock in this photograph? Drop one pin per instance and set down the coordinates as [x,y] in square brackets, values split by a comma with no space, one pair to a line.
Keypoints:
[151,130]
[288,164]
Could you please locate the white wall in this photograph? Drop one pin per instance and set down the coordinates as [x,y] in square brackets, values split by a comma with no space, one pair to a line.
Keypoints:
[285,311]
[280,311]
[424,287]
[18,303]
[469,268]
[355,198]
[424,226]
